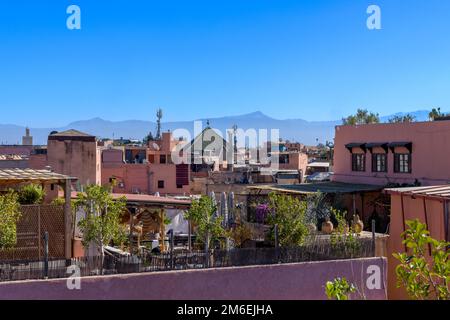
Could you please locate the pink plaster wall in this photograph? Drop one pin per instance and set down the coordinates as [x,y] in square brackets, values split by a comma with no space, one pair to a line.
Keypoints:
[413,209]
[275,282]
[143,177]
[79,159]
[297,161]
[430,152]
[38,161]
[16,149]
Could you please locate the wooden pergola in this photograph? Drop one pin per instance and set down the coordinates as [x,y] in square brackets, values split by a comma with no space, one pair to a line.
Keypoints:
[157,205]
[13,177]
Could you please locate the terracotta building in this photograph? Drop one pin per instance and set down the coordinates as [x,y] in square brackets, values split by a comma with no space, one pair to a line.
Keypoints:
[148,169]
[75,154]
[393,153]
[390,155]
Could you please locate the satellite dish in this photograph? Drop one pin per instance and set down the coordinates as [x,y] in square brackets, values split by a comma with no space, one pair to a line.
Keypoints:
[155,146]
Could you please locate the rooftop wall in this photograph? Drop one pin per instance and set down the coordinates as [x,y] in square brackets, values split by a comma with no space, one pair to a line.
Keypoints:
[286,281]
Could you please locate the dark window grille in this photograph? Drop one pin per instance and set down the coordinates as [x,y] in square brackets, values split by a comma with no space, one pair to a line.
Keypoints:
[379,162]
[402,163]
[358,162]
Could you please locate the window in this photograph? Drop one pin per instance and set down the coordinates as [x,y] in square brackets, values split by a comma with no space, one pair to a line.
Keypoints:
[182,174]
[179,186]
[160,184]
[358,162]
[162,159]
[284,159]
[151,158]
[402,163]
[379,162]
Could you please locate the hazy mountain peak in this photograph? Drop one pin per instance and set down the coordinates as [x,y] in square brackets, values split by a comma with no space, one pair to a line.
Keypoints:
[292,129]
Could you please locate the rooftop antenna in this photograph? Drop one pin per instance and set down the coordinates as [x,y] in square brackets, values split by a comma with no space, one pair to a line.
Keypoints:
[235,127]
[159,115]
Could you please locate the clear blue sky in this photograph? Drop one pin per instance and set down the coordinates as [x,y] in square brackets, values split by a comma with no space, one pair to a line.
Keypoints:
[314,59]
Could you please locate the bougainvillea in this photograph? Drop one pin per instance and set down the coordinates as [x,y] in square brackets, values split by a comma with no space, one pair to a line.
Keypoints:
[262,211]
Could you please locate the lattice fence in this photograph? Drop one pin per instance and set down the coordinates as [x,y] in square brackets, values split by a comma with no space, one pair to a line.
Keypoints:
[34,222]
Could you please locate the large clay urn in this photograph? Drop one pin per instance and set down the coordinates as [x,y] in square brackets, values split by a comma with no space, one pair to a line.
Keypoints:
[327,227]
[312,228]
[357,225]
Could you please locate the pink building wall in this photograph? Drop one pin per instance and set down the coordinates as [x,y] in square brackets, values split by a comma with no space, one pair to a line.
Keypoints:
[75,158]
[37,161]
[16,149]
[274,282]
[143,177]
[413,209]
[430,152]
[297,161]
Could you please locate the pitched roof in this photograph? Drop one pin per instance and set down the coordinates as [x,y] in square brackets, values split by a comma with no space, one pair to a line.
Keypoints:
[206,142]
[71,133]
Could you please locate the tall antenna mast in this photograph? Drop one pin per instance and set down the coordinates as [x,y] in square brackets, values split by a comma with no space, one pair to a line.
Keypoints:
[159,115]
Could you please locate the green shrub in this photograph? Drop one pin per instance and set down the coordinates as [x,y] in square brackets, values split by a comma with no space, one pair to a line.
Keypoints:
[289,214]
[339,289]
[31,194]
[423,278]
[9,215]
[209,227]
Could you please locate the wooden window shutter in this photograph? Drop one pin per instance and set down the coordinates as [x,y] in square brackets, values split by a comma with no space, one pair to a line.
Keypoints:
[396,162]
[374,163]
[409,163]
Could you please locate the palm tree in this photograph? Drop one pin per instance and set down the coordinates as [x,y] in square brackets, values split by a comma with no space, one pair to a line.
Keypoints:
[435,113]
[362,116]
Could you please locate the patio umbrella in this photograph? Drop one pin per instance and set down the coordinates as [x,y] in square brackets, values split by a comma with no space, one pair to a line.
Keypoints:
[231,208]
[212,195]
[224,209]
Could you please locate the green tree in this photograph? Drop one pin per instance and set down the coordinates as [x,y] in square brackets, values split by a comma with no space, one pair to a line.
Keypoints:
[102,223]
[435,113]
[202,215]
[31,194]
[289,214]
[9,215]
[148,138]
[362,116]
[402,119]
[423,278]
[339,289]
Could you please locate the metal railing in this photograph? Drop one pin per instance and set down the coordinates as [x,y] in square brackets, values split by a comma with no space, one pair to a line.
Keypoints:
[313,249]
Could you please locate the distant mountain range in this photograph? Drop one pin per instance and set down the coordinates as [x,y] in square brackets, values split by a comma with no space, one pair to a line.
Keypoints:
[307,132]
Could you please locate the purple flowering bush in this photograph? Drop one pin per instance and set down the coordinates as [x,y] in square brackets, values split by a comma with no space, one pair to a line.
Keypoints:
[262,212]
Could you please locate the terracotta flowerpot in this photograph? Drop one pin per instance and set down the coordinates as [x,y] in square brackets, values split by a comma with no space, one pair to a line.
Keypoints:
[312,228]
[327,227]
[357,225]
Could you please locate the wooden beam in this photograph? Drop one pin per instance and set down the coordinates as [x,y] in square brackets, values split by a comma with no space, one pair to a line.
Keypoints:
[403,217]
[67,219]
[426,222]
